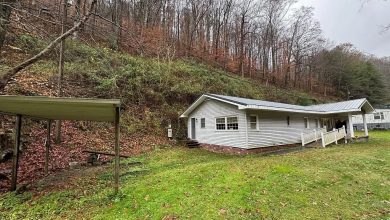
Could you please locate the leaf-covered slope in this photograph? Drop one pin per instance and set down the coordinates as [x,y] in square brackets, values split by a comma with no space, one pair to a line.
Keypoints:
[154,91]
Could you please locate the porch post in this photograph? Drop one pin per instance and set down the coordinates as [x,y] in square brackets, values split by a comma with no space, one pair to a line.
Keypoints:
[15,156]
[365,124]
[350,126]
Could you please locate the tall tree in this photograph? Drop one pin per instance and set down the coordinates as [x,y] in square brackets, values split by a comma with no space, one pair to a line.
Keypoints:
[5,13]
[61,66]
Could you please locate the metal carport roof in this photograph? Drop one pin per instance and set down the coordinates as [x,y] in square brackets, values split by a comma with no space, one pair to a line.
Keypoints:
[50,108]
[60,108]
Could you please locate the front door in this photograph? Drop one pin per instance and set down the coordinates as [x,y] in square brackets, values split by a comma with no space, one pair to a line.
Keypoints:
[193,129]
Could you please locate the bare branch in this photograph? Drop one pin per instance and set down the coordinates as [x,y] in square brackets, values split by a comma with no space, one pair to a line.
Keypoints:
[5,78]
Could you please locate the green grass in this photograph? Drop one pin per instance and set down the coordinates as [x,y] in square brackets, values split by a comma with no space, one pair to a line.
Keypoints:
[343,181]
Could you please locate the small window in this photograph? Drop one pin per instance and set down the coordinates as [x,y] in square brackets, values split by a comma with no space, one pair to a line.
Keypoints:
[377,116]
[232,123]
[253,122]
[288,120]
[382,116]
[202,123]
[306,121]
[220,123]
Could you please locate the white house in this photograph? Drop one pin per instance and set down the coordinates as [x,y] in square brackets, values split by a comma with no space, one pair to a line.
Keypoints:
[228,121]
[380,119]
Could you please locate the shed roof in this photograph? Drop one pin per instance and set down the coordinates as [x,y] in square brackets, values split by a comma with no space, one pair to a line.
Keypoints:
[357,105]
[60,108]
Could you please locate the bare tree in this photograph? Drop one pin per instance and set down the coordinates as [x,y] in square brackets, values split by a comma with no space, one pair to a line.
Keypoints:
[61,66]
[5,78]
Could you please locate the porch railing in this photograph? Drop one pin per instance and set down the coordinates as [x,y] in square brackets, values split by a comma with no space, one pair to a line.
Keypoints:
[333,136]
[312,136]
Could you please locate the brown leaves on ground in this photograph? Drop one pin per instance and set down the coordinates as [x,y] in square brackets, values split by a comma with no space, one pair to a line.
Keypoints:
[95,136]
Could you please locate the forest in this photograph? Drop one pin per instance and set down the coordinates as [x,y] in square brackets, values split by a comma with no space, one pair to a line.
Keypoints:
[270,41]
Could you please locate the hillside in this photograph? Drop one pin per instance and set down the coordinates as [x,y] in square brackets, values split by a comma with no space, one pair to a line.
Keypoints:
[153,88]
[154,93]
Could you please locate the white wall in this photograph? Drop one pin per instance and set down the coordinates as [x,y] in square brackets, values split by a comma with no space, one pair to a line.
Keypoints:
[272,126]
[273,129]
[210,110]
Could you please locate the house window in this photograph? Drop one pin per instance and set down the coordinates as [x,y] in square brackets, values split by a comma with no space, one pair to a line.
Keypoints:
[202,123]
[288,120]
[382,116]
[253,122]
[306,120]
[220,123]
[232,123]
[377,116]
[317,123]
[226,123]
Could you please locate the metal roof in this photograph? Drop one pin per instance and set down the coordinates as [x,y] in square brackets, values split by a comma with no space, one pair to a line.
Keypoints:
[60,108]
[357,105]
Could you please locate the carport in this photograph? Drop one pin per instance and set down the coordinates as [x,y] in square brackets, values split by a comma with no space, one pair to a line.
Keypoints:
[50,108]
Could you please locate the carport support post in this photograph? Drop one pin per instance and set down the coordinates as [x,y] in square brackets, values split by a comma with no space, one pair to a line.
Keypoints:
[117,131]
[48,142]
[15,156]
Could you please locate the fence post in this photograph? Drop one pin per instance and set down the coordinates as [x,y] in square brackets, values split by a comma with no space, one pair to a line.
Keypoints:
[335,136]
[322,139]
[303,141]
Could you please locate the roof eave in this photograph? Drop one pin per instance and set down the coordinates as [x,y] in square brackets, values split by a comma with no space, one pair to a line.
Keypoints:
[201,99]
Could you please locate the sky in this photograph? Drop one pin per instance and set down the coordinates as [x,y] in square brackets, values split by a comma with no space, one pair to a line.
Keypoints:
[360,22]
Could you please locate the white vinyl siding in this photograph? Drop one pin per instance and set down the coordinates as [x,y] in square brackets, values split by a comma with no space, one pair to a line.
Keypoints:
[273,129]
[211,110]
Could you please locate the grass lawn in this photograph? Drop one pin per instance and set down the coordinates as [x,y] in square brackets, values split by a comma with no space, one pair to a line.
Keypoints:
[344,181]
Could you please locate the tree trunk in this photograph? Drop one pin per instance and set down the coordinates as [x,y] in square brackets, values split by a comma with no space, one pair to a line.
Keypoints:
[5,14]
[78,16]
[61,69]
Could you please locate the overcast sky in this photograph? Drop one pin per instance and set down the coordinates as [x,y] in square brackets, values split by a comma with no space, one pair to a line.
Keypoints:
[355,22]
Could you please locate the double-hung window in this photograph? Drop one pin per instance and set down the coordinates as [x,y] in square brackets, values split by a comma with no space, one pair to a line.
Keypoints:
[253,122]
[202,123]
[220,123]
[306,121]
[226,123]
[232,123]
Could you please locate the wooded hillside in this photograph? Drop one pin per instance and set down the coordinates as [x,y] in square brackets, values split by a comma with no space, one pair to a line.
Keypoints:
[269,41]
